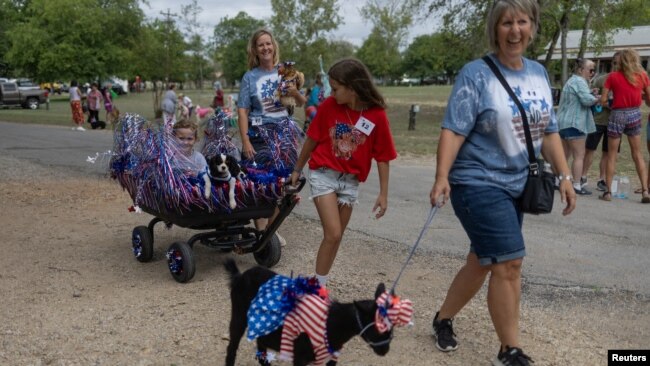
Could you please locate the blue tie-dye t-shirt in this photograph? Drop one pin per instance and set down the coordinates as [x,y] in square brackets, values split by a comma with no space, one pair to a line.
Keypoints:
[479,108]
[258,94]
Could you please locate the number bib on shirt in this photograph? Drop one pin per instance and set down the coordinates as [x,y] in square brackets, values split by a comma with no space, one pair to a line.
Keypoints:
[364,125]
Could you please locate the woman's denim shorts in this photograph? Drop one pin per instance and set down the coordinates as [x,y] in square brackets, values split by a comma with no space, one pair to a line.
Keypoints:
[492,220]
[325,181]
[572,133]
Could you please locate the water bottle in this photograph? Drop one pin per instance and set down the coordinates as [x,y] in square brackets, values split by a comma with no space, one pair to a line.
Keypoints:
[614,191]
[624,187]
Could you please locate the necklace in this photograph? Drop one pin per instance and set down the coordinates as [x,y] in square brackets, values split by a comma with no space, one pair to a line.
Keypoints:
[348,114]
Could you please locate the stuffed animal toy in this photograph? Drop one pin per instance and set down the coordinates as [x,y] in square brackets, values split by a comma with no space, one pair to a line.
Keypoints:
[289,76]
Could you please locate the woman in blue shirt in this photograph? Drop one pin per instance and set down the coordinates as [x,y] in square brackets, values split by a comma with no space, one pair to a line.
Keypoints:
[576,119]
[259,107]
[482,162]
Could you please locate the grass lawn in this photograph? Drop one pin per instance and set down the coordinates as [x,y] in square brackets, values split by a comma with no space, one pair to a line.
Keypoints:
[422,142]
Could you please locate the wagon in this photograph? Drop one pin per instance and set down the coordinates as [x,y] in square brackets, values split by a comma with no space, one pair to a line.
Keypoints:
[226,231]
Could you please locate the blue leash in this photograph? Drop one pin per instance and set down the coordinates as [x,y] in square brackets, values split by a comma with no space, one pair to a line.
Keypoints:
[432,213]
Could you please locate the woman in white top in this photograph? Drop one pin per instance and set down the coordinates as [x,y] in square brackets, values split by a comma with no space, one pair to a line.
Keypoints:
[75,105]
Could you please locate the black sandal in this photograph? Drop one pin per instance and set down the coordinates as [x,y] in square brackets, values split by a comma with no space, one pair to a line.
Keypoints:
[646,197]
[607,196]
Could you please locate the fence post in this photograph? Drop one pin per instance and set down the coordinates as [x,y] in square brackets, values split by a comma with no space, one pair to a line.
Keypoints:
[412,112]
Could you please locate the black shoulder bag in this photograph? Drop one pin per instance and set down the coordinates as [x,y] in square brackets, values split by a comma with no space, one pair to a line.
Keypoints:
[538,192]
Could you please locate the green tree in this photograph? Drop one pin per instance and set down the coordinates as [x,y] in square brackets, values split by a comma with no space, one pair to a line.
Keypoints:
[10,13]
[381,50]
[438,54]
[302,28]
[382,60]
[46,45]
[231,37]
[161,52]
[198,64]
[597,18]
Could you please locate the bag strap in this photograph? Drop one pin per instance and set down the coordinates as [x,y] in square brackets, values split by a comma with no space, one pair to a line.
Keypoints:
[534,165]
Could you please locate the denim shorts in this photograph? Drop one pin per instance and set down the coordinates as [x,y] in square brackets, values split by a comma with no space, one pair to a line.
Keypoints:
[492,220]
[571,133]
[325,181]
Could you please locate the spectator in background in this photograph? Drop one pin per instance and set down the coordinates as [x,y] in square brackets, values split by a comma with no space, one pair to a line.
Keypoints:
[168,106]
[108,99]
[627,84]
[187,103]
[75,104]
[601,118]
[217,101]
[316,97]
[576,119]
[94,101]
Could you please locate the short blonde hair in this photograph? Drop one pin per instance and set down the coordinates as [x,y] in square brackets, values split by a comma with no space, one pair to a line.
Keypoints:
[253,60]
[500,7]
[186,123]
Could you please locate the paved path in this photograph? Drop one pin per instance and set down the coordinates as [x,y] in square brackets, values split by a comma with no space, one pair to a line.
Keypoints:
[601,245]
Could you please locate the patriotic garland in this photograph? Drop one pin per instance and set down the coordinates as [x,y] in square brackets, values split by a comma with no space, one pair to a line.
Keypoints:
[147,163]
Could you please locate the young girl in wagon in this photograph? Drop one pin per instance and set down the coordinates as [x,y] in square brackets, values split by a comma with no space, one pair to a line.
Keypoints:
[350,129]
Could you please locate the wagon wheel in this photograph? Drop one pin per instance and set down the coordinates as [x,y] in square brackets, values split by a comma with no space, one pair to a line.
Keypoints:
[270,255]
[180,259]
[142,243]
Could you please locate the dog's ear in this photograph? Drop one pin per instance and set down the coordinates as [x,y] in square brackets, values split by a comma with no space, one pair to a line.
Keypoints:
[381,288]
[233,166]
[212,164]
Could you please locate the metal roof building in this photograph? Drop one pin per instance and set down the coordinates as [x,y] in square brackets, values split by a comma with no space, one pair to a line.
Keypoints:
[637,38]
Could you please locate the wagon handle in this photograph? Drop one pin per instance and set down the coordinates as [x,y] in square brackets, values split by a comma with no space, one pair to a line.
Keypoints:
[297,188]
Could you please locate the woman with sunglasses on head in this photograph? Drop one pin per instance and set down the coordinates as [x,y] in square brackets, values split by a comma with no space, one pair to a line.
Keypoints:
[575,118]
[627,84]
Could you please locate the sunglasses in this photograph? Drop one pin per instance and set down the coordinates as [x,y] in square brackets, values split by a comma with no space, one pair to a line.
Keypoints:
[592,71]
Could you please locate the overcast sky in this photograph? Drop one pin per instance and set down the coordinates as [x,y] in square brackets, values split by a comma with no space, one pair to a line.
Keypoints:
[353,29]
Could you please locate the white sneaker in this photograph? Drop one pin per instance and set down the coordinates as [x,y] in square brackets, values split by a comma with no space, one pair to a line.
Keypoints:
[283,242]
[81,128]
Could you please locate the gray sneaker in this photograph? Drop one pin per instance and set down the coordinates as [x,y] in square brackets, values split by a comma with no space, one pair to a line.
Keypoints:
[583,182]
[601,185]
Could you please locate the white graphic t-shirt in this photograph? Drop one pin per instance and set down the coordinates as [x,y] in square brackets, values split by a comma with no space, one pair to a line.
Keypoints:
[258,93]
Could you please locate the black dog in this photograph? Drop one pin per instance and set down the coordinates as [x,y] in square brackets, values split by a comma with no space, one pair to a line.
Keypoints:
[226,169]
[344,321]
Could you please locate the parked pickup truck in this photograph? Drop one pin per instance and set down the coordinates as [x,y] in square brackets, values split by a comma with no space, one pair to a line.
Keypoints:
[12,96]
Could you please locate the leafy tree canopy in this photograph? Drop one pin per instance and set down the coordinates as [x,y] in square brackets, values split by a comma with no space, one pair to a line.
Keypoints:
[65,39]
[231,37]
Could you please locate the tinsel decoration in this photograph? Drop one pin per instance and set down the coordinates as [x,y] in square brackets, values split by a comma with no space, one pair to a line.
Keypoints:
[283,140]
[217,139]
[148,164]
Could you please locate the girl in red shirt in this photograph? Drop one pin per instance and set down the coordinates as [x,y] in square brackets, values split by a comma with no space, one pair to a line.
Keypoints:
[627,84]
[350,129]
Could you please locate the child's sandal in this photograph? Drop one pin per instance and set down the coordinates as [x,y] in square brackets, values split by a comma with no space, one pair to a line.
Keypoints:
[606,196]
[646,197]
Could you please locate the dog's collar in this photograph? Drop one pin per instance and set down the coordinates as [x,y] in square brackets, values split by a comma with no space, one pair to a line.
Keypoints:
[224,179]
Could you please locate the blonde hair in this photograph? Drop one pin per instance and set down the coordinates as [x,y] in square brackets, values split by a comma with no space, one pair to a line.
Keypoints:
[500,7]
[629,64]
[186,123]
[253,60]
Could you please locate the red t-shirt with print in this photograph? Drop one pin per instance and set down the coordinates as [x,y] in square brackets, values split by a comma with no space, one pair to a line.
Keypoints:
[345,148]
[626,95]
